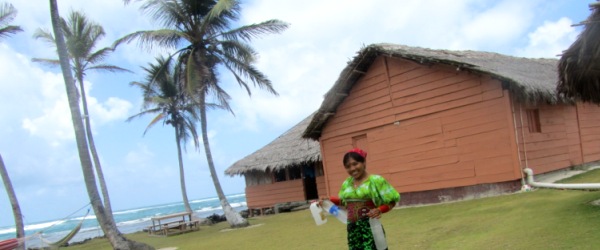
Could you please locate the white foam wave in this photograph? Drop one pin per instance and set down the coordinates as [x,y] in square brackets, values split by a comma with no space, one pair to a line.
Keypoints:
[131,222]
[204,200]
[239,204]
[43,225]
[236,195]
[8,230]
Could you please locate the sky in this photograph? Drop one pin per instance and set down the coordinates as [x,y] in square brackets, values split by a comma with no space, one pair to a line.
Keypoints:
[37,140]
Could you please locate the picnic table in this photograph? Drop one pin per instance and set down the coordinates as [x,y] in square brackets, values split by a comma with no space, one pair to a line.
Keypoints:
[173,224]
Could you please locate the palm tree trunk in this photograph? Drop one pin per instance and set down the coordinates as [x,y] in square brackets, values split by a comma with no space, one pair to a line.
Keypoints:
[106,221]
[186,202]
[233,218]
[14,203]
[92,145]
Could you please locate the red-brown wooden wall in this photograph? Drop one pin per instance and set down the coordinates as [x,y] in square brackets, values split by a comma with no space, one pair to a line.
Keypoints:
[433,127]
[268,195]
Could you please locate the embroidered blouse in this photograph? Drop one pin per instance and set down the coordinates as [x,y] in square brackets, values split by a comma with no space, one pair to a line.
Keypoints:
[374,188]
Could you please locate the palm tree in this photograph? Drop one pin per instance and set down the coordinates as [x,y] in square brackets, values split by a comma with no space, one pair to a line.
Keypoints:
[205,28]
[105,220]
[13,202]
[7,15]
[81,36]
[164,96]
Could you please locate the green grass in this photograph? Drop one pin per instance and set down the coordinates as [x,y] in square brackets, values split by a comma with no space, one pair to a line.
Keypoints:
[541,219]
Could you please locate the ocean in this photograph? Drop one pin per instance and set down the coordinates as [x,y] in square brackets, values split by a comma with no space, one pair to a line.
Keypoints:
[128,221]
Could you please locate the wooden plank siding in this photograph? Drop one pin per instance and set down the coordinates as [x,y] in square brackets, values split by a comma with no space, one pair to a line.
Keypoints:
[589,117]
[270,194]
[557,145]
[427,127]
[433,127]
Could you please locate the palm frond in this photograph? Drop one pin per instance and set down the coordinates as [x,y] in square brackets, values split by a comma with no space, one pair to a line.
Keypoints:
[47,62]
[249,32]
[45,35]
[223,7]
[243,70]
[99,55]
[10,30]
[147,38]
[144,112]
[109,68]
[154,121]
[7,15]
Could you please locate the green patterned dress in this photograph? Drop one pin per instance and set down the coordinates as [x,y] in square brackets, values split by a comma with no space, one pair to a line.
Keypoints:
[373,192]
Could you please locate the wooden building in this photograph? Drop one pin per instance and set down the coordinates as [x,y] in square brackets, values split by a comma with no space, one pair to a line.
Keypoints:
[446,125]
[288,169]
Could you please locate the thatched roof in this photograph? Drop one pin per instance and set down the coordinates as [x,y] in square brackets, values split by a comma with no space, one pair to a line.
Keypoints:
[579,66]
[289,149]
[530,80]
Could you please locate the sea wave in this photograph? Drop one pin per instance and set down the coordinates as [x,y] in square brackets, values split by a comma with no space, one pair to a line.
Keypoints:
[128,221]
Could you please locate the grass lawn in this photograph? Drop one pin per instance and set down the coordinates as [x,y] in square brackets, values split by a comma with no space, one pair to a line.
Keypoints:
[541,219]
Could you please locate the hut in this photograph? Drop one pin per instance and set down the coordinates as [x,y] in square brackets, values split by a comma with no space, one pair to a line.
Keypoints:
[286,170]
[579,66]
[445,125]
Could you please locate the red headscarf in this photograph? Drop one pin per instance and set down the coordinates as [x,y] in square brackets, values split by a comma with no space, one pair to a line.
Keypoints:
[359,151]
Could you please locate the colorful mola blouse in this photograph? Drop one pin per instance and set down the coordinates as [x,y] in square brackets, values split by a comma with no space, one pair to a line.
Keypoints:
[374,188]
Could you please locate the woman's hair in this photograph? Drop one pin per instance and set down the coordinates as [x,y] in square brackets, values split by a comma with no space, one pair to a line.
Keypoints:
[353,155]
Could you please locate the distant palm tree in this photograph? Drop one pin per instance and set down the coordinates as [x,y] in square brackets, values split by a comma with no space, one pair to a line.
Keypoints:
[7,15]
[164,96]
[12,197]
[204,27]
[106,221]
[81,36]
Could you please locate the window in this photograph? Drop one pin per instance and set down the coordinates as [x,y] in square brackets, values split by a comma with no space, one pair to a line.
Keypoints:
[280,175]
[295,173]
[533,120]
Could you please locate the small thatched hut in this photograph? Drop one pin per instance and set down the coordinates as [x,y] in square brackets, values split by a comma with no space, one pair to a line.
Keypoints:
[579,66]
[445,125]
[286,170]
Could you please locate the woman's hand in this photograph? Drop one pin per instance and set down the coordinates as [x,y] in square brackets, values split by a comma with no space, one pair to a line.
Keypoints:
[374,213]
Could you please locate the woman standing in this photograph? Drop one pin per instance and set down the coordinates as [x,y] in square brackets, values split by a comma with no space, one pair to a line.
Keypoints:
[365,196]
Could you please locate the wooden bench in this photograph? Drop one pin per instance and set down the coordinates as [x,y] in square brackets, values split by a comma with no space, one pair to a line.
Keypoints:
[173,224]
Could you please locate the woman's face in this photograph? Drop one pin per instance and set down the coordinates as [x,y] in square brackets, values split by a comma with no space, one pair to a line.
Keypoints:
[355,169]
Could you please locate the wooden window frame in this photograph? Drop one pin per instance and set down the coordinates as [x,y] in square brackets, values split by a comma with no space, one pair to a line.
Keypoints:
[533,120]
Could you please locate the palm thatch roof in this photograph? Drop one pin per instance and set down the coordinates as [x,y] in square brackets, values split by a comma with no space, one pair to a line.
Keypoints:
[579,65]
[530,80]
[289,149]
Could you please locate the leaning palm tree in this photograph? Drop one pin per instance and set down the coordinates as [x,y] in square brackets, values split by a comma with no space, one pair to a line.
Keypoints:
[164,96]
[14,203]
[81,36]
[7,15]
[204,27]
[106,221]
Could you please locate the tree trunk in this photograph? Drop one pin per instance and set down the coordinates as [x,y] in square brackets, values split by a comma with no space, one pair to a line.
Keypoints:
[186,202]
[20,227]
[106,221]
[233,218]
[92,145]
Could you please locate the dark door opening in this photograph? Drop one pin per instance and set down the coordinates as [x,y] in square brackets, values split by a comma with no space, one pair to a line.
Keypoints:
[310,183]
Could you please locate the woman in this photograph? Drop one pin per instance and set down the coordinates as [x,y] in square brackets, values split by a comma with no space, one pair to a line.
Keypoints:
[365,196]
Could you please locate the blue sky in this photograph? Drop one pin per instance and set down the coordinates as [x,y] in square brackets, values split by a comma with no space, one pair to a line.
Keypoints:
[36,137]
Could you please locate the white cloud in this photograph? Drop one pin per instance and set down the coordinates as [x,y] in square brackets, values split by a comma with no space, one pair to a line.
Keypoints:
[550,39]
[113,109]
